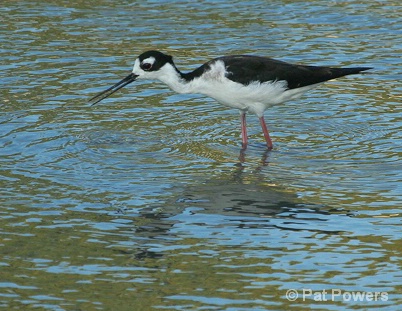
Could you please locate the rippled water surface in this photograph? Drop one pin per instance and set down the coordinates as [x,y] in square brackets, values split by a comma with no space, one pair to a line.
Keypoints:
[145,202]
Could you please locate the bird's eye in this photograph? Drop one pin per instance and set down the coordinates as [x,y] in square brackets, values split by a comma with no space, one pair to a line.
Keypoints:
[146,66]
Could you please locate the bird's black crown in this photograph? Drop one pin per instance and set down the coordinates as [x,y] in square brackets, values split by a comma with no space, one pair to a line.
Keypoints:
[160,60]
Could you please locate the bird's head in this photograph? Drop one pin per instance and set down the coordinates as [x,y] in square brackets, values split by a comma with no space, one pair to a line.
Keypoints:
[149,65]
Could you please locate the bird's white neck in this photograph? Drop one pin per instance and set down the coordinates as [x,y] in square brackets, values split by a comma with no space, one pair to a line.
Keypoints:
[170,76]
[173,78]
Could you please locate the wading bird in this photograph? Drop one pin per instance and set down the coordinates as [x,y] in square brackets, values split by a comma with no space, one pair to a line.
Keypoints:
[248,83]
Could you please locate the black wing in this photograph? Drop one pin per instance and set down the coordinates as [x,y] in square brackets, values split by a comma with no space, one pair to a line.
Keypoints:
[245,69]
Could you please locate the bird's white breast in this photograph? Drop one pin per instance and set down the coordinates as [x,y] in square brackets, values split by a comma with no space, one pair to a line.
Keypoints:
[255,97]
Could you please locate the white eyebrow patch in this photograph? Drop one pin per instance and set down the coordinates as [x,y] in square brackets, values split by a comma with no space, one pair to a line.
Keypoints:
[150,60]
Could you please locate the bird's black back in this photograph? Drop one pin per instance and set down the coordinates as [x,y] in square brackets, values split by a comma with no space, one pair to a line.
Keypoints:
[246,69]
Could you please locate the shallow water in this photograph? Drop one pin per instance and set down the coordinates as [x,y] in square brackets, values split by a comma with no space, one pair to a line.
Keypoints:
[145,202]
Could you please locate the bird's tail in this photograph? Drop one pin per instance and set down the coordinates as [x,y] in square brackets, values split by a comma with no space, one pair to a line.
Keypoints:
[340,72]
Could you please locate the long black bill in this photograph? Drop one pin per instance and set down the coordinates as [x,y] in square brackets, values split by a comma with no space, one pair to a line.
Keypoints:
[106,93]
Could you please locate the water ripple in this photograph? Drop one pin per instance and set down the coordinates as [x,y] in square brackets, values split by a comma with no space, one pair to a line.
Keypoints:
[148,197]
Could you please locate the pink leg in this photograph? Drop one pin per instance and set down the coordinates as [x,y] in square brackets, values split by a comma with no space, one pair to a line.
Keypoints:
[243,130]
[266,133]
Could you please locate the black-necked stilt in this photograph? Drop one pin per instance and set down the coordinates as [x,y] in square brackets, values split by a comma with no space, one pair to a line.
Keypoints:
[248,83]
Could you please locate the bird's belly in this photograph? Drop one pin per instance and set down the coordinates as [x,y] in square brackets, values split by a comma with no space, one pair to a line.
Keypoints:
[255,97]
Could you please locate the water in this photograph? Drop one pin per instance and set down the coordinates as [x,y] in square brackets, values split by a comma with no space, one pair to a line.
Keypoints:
[144,202]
